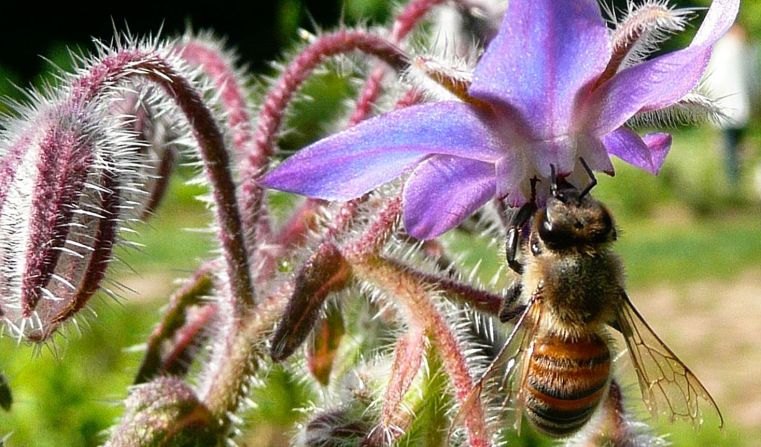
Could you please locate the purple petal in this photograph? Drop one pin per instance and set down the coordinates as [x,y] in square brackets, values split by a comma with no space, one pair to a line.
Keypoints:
[353,162]
[646,153]
[513,172]
[560,152]
[442,191]
[545,52]
[664,80]
[659,144]
[594,152]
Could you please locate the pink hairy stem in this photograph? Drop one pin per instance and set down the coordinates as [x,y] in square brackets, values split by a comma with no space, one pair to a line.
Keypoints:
[408,358]
[232,95]
[231,90]
[271,116]
[415,299]
[404,23]
[153,66]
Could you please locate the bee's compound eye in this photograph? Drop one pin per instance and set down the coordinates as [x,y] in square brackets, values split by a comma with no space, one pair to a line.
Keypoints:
[536,250]
[546,224]
[546,228]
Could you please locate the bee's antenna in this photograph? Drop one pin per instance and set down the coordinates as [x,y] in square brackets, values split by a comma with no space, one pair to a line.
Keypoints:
[593,179]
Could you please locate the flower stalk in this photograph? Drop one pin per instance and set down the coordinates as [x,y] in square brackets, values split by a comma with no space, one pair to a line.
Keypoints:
[175,317]
[419,308]
[405,22]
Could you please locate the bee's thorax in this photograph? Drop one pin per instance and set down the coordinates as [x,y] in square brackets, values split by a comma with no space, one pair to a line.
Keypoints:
[579,292]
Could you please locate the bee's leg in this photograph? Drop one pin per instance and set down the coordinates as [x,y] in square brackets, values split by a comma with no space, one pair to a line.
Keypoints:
[510,309]
[592,178]
[514,235]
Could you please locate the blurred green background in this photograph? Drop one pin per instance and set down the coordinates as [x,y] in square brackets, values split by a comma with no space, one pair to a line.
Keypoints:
[691,243]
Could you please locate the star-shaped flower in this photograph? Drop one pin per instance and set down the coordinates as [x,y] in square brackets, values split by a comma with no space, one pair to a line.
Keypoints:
[543,94]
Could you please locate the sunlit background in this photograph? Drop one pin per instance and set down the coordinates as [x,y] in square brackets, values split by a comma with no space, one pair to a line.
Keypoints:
[691,241]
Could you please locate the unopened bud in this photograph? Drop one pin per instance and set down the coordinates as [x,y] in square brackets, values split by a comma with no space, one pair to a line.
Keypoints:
[143,112]
[67,186]
[324,272]
[164,412]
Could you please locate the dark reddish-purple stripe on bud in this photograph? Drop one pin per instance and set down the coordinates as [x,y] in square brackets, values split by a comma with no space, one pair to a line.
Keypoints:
[63,162]
[58,222]
[93,268]
[160,184]
[324,272]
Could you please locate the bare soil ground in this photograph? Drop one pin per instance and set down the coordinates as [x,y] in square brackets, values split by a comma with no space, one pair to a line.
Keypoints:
[715,328]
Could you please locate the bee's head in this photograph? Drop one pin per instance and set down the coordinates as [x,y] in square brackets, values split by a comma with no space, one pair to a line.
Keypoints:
[573,218]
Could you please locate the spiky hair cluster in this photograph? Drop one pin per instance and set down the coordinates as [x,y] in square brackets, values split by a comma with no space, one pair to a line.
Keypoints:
[79,162]
[643,26]
[638,31]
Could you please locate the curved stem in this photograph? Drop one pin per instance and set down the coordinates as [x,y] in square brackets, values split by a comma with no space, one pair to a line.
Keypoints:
[404,23]
[232,93]
[394,418]
[190,294]
[155,67]
[415,298]
[227,373]
[328,45]
[378,232]
[233,355]
[273,109]
[482,300]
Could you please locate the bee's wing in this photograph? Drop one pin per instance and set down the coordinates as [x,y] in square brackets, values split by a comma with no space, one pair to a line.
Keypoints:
[668,386]
[511,357]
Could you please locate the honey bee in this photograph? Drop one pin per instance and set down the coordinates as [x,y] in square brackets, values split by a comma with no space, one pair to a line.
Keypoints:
[570,292]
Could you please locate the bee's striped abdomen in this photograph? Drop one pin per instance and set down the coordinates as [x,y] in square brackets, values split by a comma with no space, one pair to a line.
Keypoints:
[566,381]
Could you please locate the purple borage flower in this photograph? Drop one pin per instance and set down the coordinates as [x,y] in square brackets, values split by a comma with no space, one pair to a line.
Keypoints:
[543,95]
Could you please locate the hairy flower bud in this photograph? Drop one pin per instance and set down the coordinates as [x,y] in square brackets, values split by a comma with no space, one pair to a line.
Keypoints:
[157,139]
[164,412]
[336,428]
[70,178]
[324,272]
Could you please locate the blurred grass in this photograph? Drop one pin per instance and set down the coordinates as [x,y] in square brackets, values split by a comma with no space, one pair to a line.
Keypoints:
[68,391]
[178,236]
